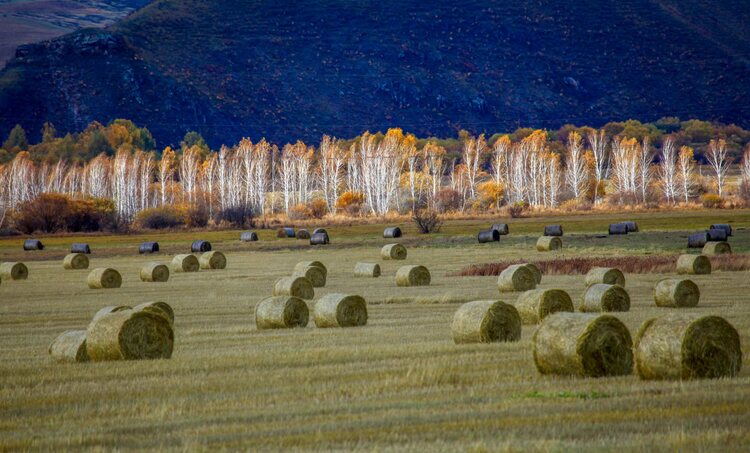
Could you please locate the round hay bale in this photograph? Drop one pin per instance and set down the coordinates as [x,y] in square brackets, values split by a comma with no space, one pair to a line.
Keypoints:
[320,230]
[110,309]
[603,297]
[722,226]
[412,276]
[281,312]
[583,344]
[553,230]
[154,272]
[294,286]
[537,304]
[631,226]
[80,248]
[501,228]
[536,271]
[392,232]
[548,244]
[148,247]
[393,252]
[486,321]
[14,271]
[697,240]
[70,346]
[303,234]
[319,239]
[33,244]
[304,264]
[693,264]
[687,346]
[608,275]
[676,292]
[286,232]
[618,228]
[716,248]
[213,260]
[517,277]
[488,236]
[717,235]
[249,236]
[315,274]
[104,278]
[185,263]
[367,270]
[200,246]
[340,310]
[76,261]
[130,335]
[159,308]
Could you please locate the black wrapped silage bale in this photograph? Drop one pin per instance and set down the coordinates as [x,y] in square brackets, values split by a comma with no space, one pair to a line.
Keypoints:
[501,228]
[485,236]
[392,232]
[148,247]
[553,230]
[80,248]
[697,240]
[33,244]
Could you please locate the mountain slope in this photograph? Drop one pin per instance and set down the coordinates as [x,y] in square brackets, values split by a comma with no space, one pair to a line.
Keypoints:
[286,71]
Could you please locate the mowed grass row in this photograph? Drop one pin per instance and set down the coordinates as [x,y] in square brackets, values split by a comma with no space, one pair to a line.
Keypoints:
[398,383]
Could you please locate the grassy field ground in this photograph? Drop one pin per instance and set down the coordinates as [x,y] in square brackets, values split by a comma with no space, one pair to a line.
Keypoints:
[398,383]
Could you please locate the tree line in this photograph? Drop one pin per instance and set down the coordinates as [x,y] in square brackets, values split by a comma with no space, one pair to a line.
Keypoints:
[375,173]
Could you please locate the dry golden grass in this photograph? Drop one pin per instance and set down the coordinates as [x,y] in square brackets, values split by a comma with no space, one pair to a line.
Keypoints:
[398,383]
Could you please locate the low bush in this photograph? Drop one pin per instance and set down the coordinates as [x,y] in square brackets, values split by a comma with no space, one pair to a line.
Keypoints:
[711,200]
[167,216]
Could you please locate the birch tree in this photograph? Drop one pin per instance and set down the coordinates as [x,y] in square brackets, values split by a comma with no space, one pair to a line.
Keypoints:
[598,143]
[686,170]
[577,173]
[668,170]
[718,159]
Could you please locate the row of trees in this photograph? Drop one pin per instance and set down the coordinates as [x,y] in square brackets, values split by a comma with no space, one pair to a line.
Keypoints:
[378,173]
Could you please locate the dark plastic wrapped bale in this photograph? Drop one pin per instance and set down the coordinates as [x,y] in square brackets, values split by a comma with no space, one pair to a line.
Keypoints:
[33,244]
[200,246]
[697,240]
[717,235]
[319,239]
[488,236]
[553,230]
[320,230]
[80,248]
[722,226]
[249,236]
[632,226]
[392,232]
[618,228]
[148,247]
[501,228]
[289,232]
[303,234]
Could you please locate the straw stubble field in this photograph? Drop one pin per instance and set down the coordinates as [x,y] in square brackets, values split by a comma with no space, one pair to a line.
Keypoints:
[399,383]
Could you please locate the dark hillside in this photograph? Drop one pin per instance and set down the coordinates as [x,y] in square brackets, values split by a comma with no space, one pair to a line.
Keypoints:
[288,71]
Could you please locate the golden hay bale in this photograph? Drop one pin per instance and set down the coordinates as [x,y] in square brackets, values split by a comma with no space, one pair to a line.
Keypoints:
[687,346]
[716,248]
[281,312]
[130,335]
[76,261]
[104,278]
[604,297]
[393,252]
[676,292]
[213,260]
[537,304]
[517,277]
[608,275]
[304,264]
[583,344]
[536,271]
[367,270]
[412,276]
[315,274]
[107,310]
[340,310]
[486,321]
[185,263]
[70,346]
[154,272]
[14,271]
[693,264]
[159,308]
[294,286]
[548,243]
